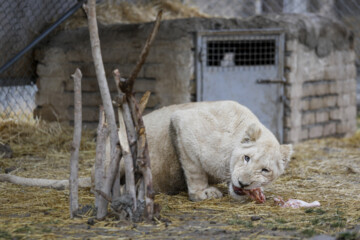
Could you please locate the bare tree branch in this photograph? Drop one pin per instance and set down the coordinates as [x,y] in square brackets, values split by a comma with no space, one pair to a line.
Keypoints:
[145,51]
[100,71]
[110,175]
[40,182]
[74,160]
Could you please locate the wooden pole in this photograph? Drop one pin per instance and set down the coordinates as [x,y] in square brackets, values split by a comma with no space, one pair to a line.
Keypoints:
[102,135]
[74,160]
[115,147]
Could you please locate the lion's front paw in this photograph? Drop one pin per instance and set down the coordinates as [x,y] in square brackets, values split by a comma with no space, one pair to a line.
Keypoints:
[207,193]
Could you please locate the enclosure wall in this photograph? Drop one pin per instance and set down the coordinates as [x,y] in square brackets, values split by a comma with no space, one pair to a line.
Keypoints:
[321,93]
[320,72]
[166,73]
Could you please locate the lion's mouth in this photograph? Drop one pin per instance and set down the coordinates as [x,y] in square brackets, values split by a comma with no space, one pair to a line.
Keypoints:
[255,194]
[239,191]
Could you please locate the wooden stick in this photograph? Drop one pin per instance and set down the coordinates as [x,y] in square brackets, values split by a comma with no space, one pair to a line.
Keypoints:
[116,188]
[143,101]
[74,160]
[143,157]
[112,170]
[100,72]
[108,198]
[111,173]
[145,51]
[129,164]
[102,134]
[40,182]
[130,128]
[126,135]
[141,189]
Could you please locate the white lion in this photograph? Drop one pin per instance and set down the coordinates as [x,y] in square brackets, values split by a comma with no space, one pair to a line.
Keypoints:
[194,145]
[198,144]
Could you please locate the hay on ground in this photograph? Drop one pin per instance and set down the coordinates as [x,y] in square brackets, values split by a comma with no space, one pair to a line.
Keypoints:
[327,170]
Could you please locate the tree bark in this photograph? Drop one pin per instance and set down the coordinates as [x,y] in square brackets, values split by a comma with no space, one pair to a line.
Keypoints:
[74,160]
[102,135]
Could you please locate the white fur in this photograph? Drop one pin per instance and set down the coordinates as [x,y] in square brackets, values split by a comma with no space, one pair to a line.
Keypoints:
[205,143]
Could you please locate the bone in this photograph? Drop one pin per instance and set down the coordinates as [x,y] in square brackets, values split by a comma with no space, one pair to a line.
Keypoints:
[295,203]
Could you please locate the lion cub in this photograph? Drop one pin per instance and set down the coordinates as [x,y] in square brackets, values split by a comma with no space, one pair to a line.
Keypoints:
[196,144]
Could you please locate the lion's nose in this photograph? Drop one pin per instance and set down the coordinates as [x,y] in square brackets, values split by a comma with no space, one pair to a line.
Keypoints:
[242,185]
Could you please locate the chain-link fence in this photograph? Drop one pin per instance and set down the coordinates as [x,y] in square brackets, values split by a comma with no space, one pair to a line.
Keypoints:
[21,21]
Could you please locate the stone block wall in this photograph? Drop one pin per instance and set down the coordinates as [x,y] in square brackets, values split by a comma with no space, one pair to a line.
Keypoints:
[321,93]
[320,71]
[166,73]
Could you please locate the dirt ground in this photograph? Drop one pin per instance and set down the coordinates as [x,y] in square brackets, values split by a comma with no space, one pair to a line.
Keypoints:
[327,170]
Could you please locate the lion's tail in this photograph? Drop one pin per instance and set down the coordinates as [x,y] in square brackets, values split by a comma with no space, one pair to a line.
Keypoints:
[38,182]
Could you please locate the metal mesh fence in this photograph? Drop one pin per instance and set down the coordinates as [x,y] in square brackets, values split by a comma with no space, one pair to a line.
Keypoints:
[21,21]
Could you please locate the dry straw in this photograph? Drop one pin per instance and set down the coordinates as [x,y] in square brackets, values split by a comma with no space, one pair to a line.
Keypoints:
[327,170]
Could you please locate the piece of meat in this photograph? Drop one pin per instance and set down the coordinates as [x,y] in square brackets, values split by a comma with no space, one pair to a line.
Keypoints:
[295,203]
[255,194]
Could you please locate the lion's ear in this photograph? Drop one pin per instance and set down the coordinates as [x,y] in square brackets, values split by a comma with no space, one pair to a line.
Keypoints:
[252,133]
[286,152]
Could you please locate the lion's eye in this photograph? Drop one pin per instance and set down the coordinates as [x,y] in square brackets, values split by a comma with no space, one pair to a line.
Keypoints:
[265,170]
[246,158]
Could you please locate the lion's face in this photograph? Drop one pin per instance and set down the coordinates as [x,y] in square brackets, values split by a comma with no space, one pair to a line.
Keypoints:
[257,161]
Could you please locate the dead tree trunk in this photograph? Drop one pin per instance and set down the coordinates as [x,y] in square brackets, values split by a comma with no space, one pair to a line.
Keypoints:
[74,160]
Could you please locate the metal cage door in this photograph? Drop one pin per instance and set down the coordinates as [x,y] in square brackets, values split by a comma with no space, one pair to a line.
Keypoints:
[244,66]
